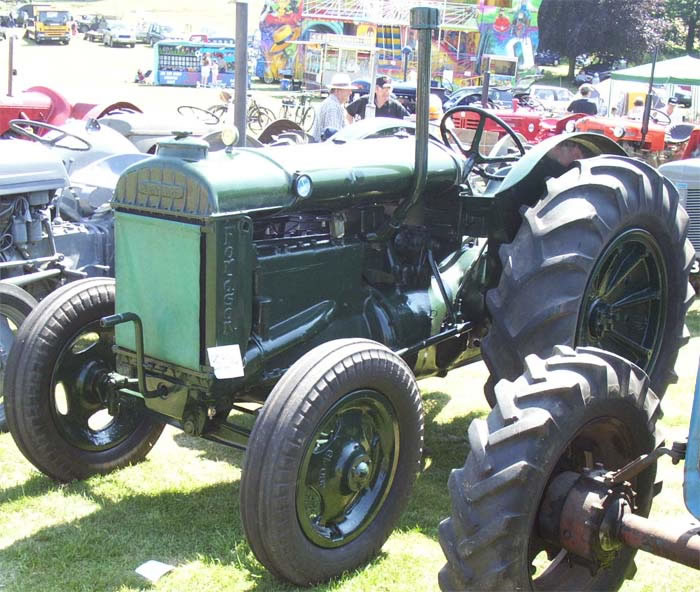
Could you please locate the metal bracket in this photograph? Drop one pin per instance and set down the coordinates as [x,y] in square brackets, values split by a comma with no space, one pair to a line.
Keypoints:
[127,317]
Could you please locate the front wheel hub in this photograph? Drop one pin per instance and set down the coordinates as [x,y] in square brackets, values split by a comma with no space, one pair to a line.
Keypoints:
[360,470]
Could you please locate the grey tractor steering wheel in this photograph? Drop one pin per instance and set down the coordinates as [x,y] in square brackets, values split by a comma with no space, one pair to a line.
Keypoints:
[206,117]
[28,129]
[476,161]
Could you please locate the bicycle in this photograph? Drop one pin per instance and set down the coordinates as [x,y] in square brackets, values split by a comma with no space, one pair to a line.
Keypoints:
[257,116]
[300,111]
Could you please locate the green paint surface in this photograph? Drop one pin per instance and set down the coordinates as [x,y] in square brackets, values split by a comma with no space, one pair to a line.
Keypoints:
[157,271]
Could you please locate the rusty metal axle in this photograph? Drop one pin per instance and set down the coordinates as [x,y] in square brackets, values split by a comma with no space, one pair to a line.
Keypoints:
[677,544]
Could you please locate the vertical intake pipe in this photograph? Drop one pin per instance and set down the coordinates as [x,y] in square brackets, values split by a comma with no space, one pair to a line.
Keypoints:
[425,20]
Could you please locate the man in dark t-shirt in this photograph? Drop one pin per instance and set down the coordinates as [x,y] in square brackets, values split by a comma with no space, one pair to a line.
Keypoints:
[584,104]
[385,106]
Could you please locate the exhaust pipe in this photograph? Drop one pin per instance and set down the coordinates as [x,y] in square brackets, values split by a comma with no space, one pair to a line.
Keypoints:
[425,20]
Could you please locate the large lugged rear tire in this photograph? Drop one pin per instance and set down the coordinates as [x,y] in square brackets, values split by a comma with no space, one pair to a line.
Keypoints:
[564,414]
[331,460]
[54,409]
[15,306]
[603,260]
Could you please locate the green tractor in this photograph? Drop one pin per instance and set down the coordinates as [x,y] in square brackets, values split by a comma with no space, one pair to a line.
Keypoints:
[285,300]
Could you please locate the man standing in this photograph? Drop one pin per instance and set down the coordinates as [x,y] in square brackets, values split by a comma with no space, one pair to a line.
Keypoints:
[331,113]
[584,104]
[385,105]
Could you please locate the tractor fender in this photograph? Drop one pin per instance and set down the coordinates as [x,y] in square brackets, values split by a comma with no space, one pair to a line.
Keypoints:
[91,111]
[526,183]
[60,107]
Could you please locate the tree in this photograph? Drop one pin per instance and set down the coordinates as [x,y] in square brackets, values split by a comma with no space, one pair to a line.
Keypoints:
[687,13]
[607,28]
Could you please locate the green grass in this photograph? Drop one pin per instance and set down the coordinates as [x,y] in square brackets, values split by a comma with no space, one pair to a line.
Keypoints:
[180,506]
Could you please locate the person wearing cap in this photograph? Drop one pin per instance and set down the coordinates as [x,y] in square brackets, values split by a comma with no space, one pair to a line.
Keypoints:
[331,113]
[673,114]
[385,106]
[584,104]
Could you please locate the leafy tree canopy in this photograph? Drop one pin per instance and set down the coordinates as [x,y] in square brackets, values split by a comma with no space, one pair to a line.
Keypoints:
[607,28]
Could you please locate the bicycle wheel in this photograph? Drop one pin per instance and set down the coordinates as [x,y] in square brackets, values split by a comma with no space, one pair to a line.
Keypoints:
[266,116]
[218,110]
[307,118]
[254,119]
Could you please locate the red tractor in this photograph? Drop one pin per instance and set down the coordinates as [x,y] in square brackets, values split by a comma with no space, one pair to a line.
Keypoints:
[46,105]
[661,143]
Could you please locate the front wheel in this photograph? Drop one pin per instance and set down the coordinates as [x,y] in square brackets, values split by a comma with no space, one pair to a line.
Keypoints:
[55,407]
[572,416]
[331,460]
[602,260]
[15,306]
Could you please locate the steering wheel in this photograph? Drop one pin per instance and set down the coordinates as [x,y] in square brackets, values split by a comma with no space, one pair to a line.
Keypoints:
[476,161]
[527,100]
[476,98]
[28,128]
[206,117]
[656,115]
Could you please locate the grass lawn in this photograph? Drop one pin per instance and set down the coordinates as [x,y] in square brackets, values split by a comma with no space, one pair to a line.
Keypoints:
[180,506]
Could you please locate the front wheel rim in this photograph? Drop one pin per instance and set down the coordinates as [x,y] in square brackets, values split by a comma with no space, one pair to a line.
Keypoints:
[77,405]
[624,306]
[348,468]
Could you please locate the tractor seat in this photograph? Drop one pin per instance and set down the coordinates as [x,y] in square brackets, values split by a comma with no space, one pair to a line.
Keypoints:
[679,132]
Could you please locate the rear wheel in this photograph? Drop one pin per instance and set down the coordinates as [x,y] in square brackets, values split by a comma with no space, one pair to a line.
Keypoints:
[331,460]
[15,306]
[565,416]
[56,411]
[603,260]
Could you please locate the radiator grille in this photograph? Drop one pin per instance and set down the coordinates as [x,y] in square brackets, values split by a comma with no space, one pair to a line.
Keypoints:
[692,206]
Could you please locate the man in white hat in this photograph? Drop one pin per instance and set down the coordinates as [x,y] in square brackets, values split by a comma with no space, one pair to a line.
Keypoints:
[331,113]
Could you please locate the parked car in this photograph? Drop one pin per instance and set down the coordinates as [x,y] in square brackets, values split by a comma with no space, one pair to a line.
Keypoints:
[97,35]
[119,34]
[497,96]
[158,32]
[683,94]
[552,98]
[603,69]
[547,57]
[403,91]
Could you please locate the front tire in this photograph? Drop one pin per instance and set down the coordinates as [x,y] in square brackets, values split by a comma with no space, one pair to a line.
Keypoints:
[563,415]
[331,460]
[603,260]
[15,306]
[54,409]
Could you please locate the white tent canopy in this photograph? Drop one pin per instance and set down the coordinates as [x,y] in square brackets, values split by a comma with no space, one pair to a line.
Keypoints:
[684,70]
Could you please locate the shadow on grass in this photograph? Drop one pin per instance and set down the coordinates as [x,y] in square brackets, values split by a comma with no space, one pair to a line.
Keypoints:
[35,486]
[101,550]
[447,448]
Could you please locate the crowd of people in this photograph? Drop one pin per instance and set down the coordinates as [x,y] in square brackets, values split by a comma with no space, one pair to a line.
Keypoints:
[335,112]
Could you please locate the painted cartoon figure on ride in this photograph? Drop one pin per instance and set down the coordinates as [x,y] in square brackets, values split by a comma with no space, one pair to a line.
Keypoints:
[280,26]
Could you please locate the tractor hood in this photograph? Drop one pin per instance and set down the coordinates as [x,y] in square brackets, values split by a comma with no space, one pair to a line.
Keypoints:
[26,167]
[257,180]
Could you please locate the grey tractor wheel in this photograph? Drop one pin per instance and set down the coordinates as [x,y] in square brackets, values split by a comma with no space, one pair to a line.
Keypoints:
[602,260]
[331,460]
[54,409]
[565,414]
[15,306]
